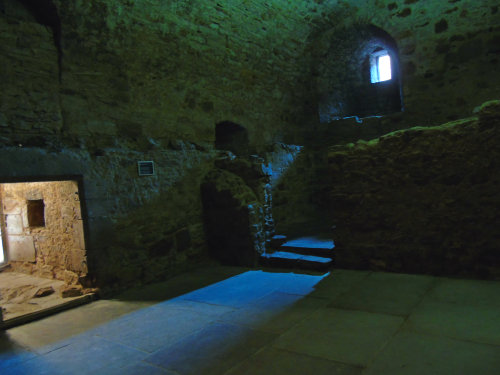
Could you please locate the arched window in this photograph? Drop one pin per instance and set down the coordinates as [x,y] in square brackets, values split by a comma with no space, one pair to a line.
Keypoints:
[359,76]
[380,66]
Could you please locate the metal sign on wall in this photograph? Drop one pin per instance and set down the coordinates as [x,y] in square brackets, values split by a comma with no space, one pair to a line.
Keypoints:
[146,168]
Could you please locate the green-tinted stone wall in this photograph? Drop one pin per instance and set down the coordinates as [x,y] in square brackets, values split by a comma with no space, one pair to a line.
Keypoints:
[421,200]
[448,51]
[91,87]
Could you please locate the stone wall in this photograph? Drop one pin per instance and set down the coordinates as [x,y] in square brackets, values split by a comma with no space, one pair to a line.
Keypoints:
[129,216]
[56,247]
[91,87]
[422,200]
[448,53]
[299,181]
[30,111]
[172,70]
[236,210]
[448,60]
[141,80]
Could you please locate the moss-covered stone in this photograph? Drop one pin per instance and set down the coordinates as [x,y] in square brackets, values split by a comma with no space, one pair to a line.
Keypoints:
[421,200]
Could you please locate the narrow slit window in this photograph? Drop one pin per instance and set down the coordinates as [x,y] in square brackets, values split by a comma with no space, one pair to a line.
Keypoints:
[380,67]
[384,68]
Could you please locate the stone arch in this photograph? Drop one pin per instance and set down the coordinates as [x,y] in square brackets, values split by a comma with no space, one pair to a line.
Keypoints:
[232,137]
[344,85]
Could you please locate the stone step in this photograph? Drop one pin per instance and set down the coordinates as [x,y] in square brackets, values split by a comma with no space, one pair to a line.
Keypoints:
[284,259]
[310,246]
[276,241]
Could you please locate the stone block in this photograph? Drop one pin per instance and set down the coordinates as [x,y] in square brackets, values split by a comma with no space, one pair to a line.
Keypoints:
[76,261]
[162,247]
[21,248]
[71,291]
[3,121]
[11,206]
[14,224]
[79,234]
[43,292]
[101,127]
[183,239]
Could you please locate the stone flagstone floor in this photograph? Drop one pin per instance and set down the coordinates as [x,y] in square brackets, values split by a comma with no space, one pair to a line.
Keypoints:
[221,320]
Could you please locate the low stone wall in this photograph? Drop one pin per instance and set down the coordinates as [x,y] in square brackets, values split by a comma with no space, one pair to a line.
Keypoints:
[422,200]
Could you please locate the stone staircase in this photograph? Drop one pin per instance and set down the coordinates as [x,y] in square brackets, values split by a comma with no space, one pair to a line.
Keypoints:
[310,253]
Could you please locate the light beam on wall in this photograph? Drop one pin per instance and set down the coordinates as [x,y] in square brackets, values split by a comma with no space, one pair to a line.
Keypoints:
[1,248]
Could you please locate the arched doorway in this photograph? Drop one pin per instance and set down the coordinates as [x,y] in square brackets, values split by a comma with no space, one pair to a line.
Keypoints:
[232,137]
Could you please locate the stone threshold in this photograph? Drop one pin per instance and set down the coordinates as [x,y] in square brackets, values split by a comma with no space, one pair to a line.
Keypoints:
[35,315]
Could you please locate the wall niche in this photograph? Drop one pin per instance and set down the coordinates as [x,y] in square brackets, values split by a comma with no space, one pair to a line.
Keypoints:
[350,82]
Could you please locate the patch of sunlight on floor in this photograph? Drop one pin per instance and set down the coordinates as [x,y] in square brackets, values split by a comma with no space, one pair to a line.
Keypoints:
[204,323]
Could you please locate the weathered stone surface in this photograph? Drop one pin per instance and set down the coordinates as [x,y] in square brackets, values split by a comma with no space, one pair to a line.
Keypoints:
[71,291]
[299,187]
[42,292]
[123,81]
[441,60]
[21,249]
[421,200]
[55,248]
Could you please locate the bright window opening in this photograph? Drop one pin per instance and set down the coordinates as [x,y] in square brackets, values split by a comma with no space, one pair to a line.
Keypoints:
[380,67]
[384,68]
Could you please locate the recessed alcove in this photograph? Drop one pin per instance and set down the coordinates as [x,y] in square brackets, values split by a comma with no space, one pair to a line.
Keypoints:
[359,75]
[232,137]
[36,213]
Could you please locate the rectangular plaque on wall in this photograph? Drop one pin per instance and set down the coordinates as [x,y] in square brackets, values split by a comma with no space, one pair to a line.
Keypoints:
[146,168]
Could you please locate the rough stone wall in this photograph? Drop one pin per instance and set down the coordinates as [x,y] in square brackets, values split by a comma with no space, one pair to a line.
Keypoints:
[123,81]
[141,80]
[58,247]
[234,205]
[171,70]
[449,59]
[30,112]
[129,216]
[422,200]
[299,181]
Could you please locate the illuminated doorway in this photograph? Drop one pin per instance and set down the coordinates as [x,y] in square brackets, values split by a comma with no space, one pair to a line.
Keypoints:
[43,257]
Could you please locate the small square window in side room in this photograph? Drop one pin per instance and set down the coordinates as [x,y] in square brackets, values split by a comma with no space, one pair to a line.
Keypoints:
[36,213]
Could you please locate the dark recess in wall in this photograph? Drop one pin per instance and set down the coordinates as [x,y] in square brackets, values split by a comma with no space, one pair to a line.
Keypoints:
[232,137]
